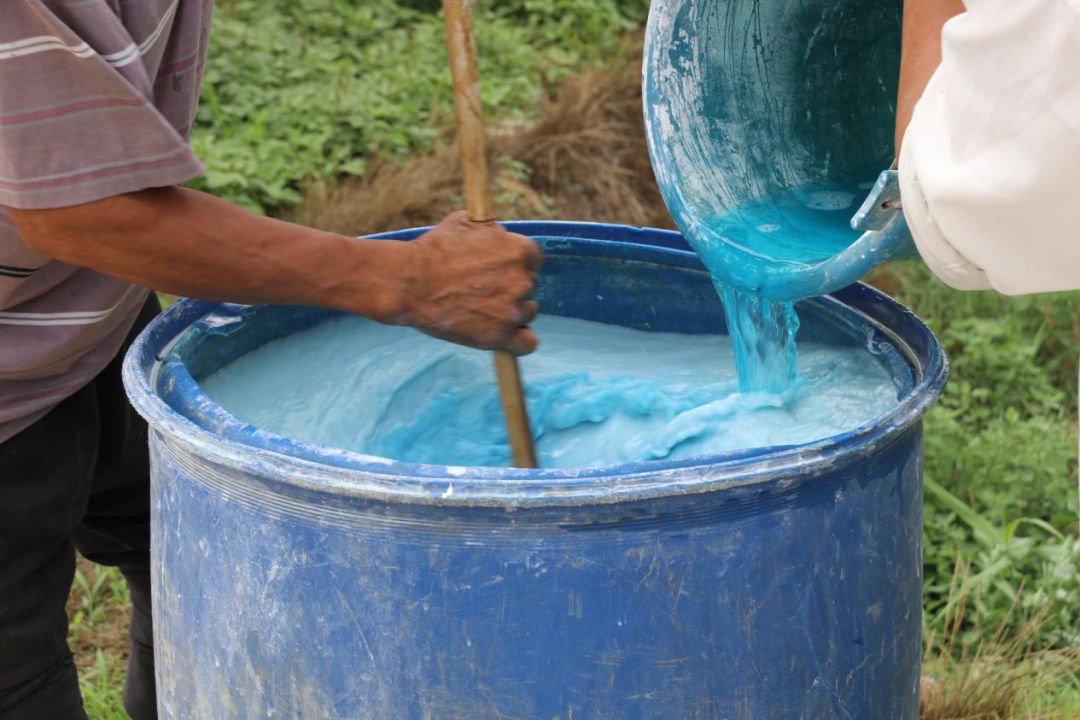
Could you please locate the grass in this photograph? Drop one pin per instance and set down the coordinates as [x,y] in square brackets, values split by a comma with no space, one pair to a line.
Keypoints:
[100,607]
[583,157]
[101,683]
[300,90]
[1005,676]
[1001,455]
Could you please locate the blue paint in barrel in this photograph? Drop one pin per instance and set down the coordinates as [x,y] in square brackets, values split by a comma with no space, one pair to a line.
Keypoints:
[768,123]
[298,581]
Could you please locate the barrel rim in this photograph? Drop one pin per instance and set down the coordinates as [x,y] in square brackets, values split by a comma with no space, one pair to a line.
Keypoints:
[321,469]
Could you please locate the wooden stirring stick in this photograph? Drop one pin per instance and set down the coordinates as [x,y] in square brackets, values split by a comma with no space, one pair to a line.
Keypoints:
[480,205]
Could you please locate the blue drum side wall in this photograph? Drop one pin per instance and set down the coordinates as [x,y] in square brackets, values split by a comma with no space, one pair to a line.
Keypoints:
[781,604]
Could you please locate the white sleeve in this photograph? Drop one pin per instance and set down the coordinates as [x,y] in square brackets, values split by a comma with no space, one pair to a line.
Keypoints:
[990,164]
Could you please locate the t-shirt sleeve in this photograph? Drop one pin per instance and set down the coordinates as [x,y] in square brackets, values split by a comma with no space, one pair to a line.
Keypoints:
[990,164]
[76,120]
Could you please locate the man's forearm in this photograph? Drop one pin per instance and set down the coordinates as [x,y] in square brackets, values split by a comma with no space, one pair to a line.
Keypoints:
[923,20]
[471,283]
[189,243]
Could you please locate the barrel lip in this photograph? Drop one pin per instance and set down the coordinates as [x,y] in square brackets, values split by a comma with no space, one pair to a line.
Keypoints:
[292,465]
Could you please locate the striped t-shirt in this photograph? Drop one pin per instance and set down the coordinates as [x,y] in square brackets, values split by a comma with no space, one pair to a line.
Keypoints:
[97,98]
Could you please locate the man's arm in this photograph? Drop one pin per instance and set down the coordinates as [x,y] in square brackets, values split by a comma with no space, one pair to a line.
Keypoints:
[463,282]
[921,55]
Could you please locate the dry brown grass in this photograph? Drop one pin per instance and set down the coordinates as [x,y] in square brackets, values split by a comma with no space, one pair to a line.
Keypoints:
[1004,679]
[584,159]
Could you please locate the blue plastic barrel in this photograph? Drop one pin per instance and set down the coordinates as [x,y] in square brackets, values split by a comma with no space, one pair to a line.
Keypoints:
[293,580]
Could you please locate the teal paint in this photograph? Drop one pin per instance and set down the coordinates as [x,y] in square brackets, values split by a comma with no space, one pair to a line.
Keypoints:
[768,123]
[762,339]
[808,226]
[598,394]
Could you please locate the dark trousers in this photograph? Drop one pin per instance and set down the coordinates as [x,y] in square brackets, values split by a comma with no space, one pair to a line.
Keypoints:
[76,479]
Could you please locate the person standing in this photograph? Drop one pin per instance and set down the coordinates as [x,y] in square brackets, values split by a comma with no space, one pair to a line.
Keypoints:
[97,99]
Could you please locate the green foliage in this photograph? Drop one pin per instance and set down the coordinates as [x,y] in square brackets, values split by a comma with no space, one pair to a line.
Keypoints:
[298,89]
[93,598]
[1001,461]
[102,687]
[97,620]
[1037,573]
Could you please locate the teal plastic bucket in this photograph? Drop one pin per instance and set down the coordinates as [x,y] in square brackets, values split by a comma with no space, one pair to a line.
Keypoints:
[770,124]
